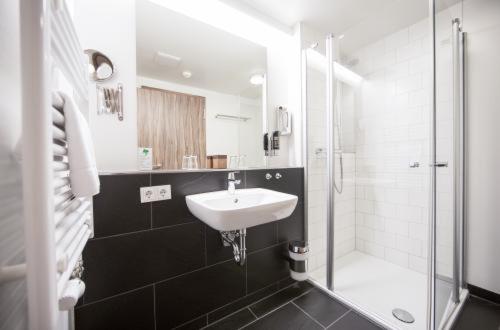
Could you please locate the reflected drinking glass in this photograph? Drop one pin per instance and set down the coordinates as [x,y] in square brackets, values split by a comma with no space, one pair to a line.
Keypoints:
[194,162]
[190,162]
[234,162]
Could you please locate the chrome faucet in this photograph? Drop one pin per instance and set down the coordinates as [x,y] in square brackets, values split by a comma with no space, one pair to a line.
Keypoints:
[232,182]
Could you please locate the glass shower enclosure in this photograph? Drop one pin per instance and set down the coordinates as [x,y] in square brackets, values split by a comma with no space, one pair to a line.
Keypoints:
[384,153]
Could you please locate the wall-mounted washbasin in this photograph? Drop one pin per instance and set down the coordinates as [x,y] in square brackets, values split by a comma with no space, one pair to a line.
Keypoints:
[243,209]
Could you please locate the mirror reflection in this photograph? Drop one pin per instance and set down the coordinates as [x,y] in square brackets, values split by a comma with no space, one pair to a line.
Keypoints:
[200,93]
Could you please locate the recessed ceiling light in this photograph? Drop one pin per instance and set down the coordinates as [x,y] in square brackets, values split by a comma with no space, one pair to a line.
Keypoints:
[186,74]
[341,36]
[257,79]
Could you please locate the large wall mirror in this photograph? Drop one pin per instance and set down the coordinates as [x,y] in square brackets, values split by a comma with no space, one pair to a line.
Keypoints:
[200,92]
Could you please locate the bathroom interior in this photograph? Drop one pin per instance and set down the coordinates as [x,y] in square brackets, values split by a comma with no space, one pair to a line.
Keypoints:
[249,164]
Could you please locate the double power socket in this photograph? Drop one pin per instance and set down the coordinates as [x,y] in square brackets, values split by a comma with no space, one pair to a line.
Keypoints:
[155,193]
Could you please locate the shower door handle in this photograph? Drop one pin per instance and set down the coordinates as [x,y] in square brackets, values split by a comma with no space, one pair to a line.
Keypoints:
[458,151]
[439,164]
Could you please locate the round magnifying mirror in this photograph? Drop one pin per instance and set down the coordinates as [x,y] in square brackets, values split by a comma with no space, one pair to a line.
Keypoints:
[100,66]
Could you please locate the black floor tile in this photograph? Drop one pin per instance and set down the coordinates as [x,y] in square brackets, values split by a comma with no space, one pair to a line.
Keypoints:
[192,295]
[286,282]
[118,208]
[321,307]
[288,317]
[234,321]
[479,314]
[195,324]
[133,310]
[280,298]
[117,264]
[266,267]
[241,303]
[353,321]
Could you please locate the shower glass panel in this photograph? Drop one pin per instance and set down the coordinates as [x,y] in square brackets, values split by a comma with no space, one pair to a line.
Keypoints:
[448,150]
[377,256]
[314,88]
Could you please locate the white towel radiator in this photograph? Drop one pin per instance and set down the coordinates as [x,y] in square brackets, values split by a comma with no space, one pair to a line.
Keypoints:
[57,225]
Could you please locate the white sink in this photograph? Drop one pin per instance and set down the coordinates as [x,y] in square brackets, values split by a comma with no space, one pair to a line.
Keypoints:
[243,209]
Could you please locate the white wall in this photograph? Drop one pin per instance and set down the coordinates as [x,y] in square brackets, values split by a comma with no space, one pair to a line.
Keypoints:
[109,26]
[13,302]
[481,20]
[224,137]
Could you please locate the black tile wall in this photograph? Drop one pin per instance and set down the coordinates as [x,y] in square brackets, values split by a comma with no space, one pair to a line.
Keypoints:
[118,207]
[156,265]
[266,267]
[134,310]
[125,262]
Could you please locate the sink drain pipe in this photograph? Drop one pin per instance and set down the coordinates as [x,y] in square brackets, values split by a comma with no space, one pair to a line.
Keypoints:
[239,251]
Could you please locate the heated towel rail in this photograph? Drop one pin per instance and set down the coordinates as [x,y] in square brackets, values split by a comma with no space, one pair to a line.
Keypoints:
[57,224]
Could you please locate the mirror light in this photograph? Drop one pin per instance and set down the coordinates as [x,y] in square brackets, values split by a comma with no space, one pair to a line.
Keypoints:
[227,18]
[318,62]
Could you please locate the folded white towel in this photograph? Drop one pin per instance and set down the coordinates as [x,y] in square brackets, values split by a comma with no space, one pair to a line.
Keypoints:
[82,166]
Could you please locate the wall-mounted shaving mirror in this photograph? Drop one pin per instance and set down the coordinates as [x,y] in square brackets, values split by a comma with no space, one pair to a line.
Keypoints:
[200,91]
[100,66]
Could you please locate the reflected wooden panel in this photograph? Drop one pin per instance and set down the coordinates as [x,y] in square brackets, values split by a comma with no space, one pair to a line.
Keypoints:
[173,124]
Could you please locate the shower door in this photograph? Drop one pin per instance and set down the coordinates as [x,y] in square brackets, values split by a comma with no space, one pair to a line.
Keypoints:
[447,209]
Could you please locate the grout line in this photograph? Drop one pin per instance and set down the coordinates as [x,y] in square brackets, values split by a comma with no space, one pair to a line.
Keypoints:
[114,296]
[205,241]
[154,305]
[267,247]
[252,303]
[191,320]
[142,231]
[151,215]
[307,314]
[281,305]
[246,278]
[227,316]
[251,311]
[151,204]
[302,294]
[341,316]
[245,296]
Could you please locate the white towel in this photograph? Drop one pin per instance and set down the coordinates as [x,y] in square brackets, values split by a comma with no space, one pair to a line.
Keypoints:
[82,166]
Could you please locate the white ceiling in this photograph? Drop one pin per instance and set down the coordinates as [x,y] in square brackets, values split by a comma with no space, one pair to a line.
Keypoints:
[361,21]
[218,60]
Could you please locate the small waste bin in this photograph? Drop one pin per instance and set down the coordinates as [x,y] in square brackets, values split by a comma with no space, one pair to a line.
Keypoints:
[299,253]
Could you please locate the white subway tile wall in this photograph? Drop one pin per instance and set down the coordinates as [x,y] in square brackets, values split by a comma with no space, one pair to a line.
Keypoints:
[392,134]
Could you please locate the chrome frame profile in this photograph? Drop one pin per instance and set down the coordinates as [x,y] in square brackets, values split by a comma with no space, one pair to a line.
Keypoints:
[330,136]
[305,140]
[431,257]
